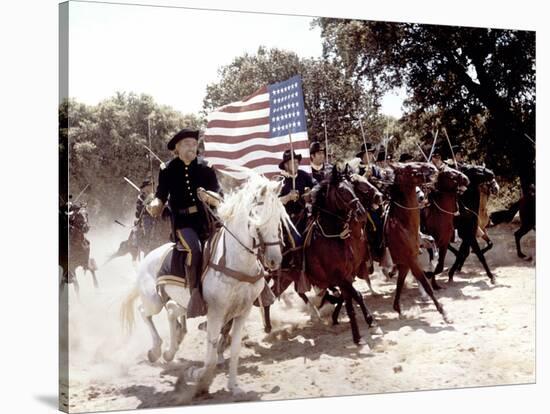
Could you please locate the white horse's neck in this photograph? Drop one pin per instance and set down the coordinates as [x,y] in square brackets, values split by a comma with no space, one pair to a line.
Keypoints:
[237,257]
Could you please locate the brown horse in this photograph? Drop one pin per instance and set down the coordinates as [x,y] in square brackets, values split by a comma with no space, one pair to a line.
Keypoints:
[337,250]
[486,190]
[402,226]
[438,217]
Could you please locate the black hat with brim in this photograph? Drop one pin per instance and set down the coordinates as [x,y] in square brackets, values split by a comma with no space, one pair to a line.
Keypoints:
[437,151]
[315,147]
[184,133]
[365,148]
[287,157]
[458,148]
[405,157]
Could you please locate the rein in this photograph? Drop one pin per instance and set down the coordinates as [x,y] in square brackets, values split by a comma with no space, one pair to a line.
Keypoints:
[452,213]
[404,207]
[240,276]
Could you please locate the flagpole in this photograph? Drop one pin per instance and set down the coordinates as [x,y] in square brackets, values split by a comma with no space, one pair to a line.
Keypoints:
[292,160]
[364,140]
[150,159]
[326,141]
[450,146]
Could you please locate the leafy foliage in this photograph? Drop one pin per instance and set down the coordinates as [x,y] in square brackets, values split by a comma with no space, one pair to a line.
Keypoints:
[106,144]
[478,83]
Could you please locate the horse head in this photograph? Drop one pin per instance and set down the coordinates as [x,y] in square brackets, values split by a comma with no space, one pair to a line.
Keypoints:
[478,175]
[256,215]
[414,174]
[368,194]
[340,196]
[450,180]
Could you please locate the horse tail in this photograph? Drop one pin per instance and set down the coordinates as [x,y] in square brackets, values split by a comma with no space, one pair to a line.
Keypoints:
[505,216]
[127,310]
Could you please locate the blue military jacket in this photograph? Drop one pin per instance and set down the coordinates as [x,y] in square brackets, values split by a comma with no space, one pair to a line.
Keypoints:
[178,184]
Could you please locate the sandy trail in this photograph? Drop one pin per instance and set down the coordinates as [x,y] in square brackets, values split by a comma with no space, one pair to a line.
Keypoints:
[491,340]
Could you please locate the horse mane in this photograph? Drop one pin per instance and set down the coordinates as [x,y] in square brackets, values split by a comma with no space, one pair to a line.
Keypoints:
[240,202]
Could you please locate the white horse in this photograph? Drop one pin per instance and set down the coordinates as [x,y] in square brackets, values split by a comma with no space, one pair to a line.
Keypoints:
[249,241]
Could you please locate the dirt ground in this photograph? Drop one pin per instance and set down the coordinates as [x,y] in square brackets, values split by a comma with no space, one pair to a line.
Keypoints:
[490,342]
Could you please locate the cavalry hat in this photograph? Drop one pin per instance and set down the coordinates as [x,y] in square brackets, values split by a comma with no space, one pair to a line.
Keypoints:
[405,157]
[184,133]
[458,148]
[365,148]
[437,151]
[315,147]
[286,157]
[381,155]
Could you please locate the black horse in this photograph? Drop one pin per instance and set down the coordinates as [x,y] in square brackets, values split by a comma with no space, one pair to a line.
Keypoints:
[79,246]
[467,222]
[526,206]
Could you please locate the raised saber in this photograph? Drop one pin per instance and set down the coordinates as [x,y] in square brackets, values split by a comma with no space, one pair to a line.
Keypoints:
[82,192]
[162,165]
[326,141]
[450,146]
[364,140]
[422,152]
[433,145]
[150,159]
[530,139]
[122,224]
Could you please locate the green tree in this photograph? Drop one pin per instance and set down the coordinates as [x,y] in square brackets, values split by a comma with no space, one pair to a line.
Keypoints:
[106,144]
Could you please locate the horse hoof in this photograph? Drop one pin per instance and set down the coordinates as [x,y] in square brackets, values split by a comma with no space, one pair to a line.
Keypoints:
[195,374]
[528,258]
[236,391]
[202,326]
[435,286]
[168,356]
[153,356]
[370,321]
[267,329]
[376,330]
[446,317]
[360,342]
[221,360]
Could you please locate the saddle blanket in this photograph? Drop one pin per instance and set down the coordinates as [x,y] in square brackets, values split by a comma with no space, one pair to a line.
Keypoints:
[172,269]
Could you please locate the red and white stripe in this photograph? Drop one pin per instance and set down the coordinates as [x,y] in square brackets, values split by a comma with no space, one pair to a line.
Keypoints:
[238,134]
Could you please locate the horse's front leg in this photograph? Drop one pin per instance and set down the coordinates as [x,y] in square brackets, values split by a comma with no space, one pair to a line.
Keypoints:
[147,315]
[236,338]
[522,231]
[174,311]
[205,375]
[481,257]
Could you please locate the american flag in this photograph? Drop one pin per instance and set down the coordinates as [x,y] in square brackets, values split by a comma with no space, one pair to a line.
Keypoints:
[254,132]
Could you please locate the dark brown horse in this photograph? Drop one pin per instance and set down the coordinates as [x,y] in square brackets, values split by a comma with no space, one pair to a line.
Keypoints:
[402,226]
[338,250]
[438,217]
[467,223]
